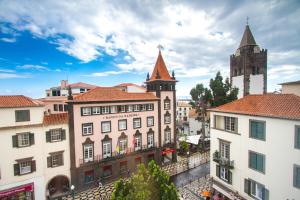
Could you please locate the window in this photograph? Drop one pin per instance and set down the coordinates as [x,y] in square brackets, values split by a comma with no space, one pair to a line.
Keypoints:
[150,121]
[122,124]
[23,140]
[143,107]
[86,111]
[55,107]
[256,161]
[231,124]
[106,149]
[297,137]
[138,143]
[105,127]
[167,136]
[107,171]
[61,107]
[105,109]
[224,150]
[113,109]
[123,108]
[65,107]
[88,152]
[149,106]
[55,135]
[55,160]
[256,190]
[22,115]
[136,122]
[123,146]
[130,108]
[167,118]
[25,167]
[257,130]
[297,176]
[150,140]
[96,111]
[88,176]
[224,173]
[179,109]
[136,108]
[167,104]
[87,129]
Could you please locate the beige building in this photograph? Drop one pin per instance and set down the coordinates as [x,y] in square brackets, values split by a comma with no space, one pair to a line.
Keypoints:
[34,150]
[182,111]
[291,88]
[255,147]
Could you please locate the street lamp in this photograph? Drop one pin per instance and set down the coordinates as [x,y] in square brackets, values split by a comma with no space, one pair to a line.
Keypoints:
[188,160]
[73,191]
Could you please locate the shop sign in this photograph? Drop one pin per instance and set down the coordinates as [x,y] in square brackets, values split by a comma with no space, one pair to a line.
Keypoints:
[16,190]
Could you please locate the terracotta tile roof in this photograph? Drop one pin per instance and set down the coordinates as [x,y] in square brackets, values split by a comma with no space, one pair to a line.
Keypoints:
[183,104]
[83,85]
[290,83]
[52,119]
[192,113]
[161,69]
[17,101]
[130,84]
[248,38]
[112,94]
[285,106]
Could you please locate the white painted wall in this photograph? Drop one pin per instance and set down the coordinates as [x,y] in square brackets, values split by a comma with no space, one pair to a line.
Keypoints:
[278,149]
[256,84]
[291,89]
[238,82]
[135,89]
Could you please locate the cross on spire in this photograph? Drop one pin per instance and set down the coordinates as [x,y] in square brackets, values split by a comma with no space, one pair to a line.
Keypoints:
[247,20]
[160,47]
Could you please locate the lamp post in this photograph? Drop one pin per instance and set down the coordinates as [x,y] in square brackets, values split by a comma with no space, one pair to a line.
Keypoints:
[188,160]
[73,191]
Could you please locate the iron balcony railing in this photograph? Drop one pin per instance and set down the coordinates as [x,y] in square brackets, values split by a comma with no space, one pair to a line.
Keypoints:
[223,161]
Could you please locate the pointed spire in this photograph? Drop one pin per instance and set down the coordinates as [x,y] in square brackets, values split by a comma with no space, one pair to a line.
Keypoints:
[160,70]
[148,77]
[173,75]
[248,39]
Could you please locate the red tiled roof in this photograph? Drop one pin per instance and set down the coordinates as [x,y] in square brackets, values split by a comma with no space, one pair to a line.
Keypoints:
[52,119]
[268,105]
[112,94]
[162,70]
[17,101]
[82,85]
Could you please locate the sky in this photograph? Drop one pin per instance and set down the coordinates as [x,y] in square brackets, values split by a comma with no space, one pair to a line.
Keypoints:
[111,42]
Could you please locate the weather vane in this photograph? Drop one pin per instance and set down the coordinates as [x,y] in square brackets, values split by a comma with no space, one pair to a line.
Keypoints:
[247,20]
[160,47]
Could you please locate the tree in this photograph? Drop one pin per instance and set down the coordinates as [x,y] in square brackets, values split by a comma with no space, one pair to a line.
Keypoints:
[152,183]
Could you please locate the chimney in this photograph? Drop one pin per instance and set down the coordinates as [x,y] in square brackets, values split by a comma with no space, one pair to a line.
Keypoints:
[63,83]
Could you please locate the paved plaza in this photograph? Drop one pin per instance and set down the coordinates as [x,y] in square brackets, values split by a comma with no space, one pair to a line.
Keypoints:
[183,165]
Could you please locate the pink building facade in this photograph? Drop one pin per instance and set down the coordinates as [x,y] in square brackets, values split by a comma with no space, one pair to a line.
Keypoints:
[113,130]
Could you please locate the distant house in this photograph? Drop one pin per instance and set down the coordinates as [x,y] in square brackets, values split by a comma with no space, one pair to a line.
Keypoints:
[291,87]
[195,125]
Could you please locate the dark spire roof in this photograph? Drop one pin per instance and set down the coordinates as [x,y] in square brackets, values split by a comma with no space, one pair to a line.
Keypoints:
[248,38]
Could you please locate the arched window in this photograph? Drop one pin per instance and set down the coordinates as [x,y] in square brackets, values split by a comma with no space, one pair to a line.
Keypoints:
[167,135]
[167,118]
[167,103]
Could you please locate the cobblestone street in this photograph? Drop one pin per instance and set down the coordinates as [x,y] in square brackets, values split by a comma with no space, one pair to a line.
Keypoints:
[188,191]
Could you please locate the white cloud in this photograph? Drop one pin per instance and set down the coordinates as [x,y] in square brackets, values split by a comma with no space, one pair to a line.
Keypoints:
[107,73]
[9,40]
[7,70]
[12,75]
[33,67]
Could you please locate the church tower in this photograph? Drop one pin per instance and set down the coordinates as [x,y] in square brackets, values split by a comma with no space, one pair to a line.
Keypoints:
[248,66]
[163,86]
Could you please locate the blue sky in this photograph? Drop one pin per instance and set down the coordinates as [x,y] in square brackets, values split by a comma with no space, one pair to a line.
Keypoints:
[107,43]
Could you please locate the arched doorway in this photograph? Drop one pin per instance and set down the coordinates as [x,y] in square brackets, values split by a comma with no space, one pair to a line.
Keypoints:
[58,186]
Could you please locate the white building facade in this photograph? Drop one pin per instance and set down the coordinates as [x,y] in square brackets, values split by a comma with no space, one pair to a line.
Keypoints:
[256,154]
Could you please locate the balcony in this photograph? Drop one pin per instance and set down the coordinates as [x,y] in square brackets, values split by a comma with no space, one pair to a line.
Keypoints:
[117,155]
[223,161]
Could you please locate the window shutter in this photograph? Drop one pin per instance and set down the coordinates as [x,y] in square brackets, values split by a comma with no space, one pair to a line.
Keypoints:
[31,138]
[247,186]
[49,161]
[63,134]
[218,170]
[229,177]
[16,169]
[33,166]
[15,140]
[48,136]
[265,194]
[61,160]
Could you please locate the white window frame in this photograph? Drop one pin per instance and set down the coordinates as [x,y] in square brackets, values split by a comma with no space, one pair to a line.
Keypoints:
[137,122]
[88,152]
[25,167]
[149,106]
[150,140]
[105,127]
[150,121]
[224,173]
[130,108]
[122,124]
[106,149]
[86,111]
[224,150]
[55,160]
[105,109]
[123,146]
[136,107]
[167,104]
[23,139]
[167,119]
[113,109]
[230,124]
[55,135]
[143,107]
[138,143]
[96,110]
[255,188]
[87,129]
[123,108]
[167,136]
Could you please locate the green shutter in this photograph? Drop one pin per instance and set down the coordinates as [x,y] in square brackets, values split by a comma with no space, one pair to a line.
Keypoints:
[218,170]
[48,136]
[49,162]
[15,140]
[247,186]
[31,138]
[63,134]
[16,169]
[297,138]
[253,162]
[260,162]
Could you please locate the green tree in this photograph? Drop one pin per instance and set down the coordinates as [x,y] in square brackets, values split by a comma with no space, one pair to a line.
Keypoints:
[152,183]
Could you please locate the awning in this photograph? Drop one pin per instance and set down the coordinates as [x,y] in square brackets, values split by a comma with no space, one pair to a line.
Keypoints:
[16,190]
